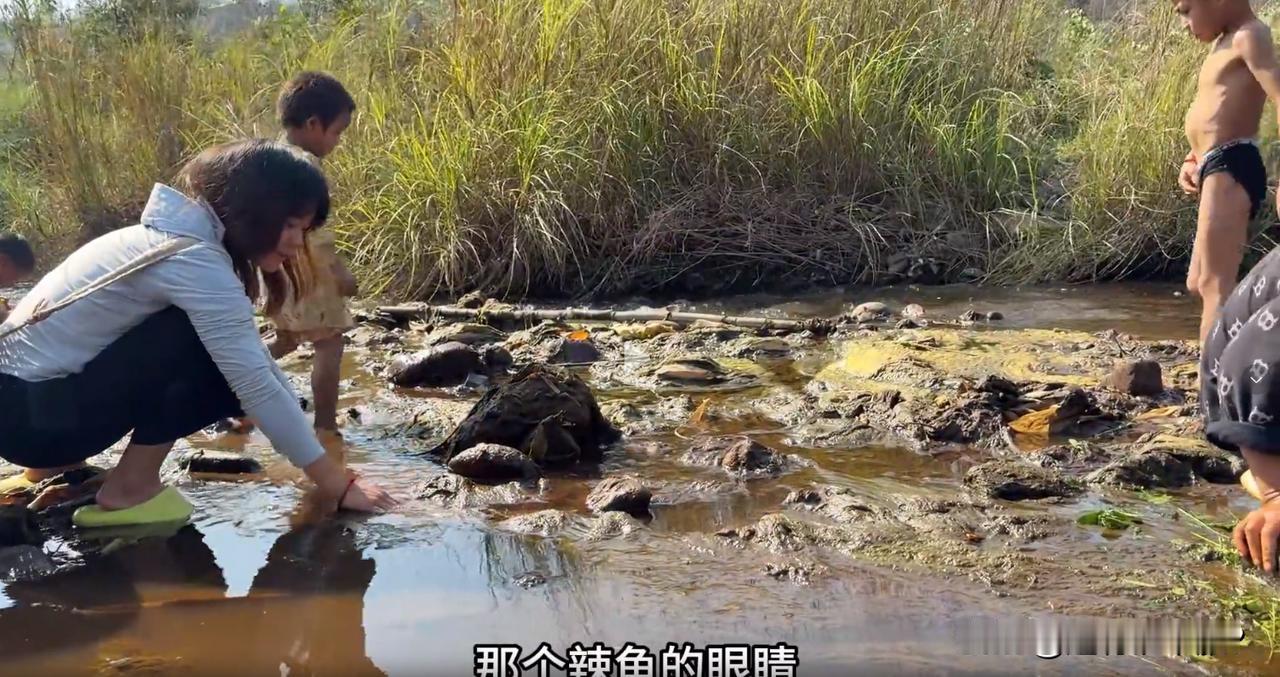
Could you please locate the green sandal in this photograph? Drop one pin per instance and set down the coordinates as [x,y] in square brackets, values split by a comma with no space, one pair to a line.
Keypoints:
[167,506]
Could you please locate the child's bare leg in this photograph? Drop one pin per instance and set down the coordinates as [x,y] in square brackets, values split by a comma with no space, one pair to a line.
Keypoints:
[325,375]
[136,478]
[1220,240]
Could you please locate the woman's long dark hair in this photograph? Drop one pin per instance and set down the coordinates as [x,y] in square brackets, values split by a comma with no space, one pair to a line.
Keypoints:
[254,186]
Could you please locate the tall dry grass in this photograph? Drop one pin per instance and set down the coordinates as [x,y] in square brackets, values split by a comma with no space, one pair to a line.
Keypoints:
[607,146]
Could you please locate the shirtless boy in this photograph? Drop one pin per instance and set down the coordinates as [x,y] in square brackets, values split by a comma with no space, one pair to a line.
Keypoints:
[1225,166]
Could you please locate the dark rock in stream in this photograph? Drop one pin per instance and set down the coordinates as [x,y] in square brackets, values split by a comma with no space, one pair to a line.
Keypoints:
[1014,480]
[741,456]
[620,494]
[1144,470]
[497,358]
[24,563]
[571,351]
[548,413]
[18,526]
[493,462]
[219,462]
[1142,378]
[441,366]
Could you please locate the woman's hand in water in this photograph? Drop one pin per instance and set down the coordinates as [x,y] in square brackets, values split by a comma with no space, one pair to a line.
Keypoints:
[366,497]
[1256,536]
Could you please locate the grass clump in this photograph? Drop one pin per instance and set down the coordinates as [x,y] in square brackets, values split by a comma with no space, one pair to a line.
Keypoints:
[608,146]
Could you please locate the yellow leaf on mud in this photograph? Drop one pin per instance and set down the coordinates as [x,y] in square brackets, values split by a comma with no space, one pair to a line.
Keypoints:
[1162,412]
[641,332]
[700,414]
[579,335]
[1036,423]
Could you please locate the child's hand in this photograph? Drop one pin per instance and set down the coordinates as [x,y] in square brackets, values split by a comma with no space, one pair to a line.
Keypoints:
[1257,534]
[1188,177]
[347,284]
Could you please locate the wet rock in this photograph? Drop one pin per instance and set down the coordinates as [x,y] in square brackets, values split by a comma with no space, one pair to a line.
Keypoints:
[530,580]
[636,419]
[373,336]
[1069,456]
[575,352]
[541,523]
[716,330]
[442,366]
[18,526]
[551,445]
[620,494]
[612,525]
[1140,378]
[467,334]
[219,462]
[913,311]
[1209,463]
[995,316]
[870,311]
[493,462]
[1144,470]
[691,370]
[24,563]
[646,331]
[538,404]
[471,300]
[841,504]
[1018,527]
[765,346]
[800,573]
[496,358]
[777,533]
[455,491]
[741,456]
[1014,480]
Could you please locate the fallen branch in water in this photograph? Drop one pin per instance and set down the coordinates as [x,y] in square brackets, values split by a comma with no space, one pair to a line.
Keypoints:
[414,311]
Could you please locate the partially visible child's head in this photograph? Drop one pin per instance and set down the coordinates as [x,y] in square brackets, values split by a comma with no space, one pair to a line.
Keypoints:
[315,109]
[267,195]
[17,261]
[1206,20]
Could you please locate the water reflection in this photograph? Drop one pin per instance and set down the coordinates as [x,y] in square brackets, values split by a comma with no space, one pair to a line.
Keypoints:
[166,598]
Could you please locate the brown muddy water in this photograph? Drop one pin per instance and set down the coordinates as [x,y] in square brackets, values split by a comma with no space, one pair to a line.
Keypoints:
[253,587]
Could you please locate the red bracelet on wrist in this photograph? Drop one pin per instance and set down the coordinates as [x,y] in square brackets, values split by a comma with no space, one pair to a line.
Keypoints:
[346,491]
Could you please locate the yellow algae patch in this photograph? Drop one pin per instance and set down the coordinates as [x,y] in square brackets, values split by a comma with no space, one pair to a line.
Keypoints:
[915,363]
[1173,411]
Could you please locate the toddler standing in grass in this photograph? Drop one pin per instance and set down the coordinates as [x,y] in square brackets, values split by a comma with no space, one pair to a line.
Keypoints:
[1225,166]
[17,263]
[315,109]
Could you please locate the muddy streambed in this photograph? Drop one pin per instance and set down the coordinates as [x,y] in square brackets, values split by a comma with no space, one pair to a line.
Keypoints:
[817,492]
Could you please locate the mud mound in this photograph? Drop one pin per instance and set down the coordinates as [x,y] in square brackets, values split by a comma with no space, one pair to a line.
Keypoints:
[547,413]
[1014,480]
[741,456]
